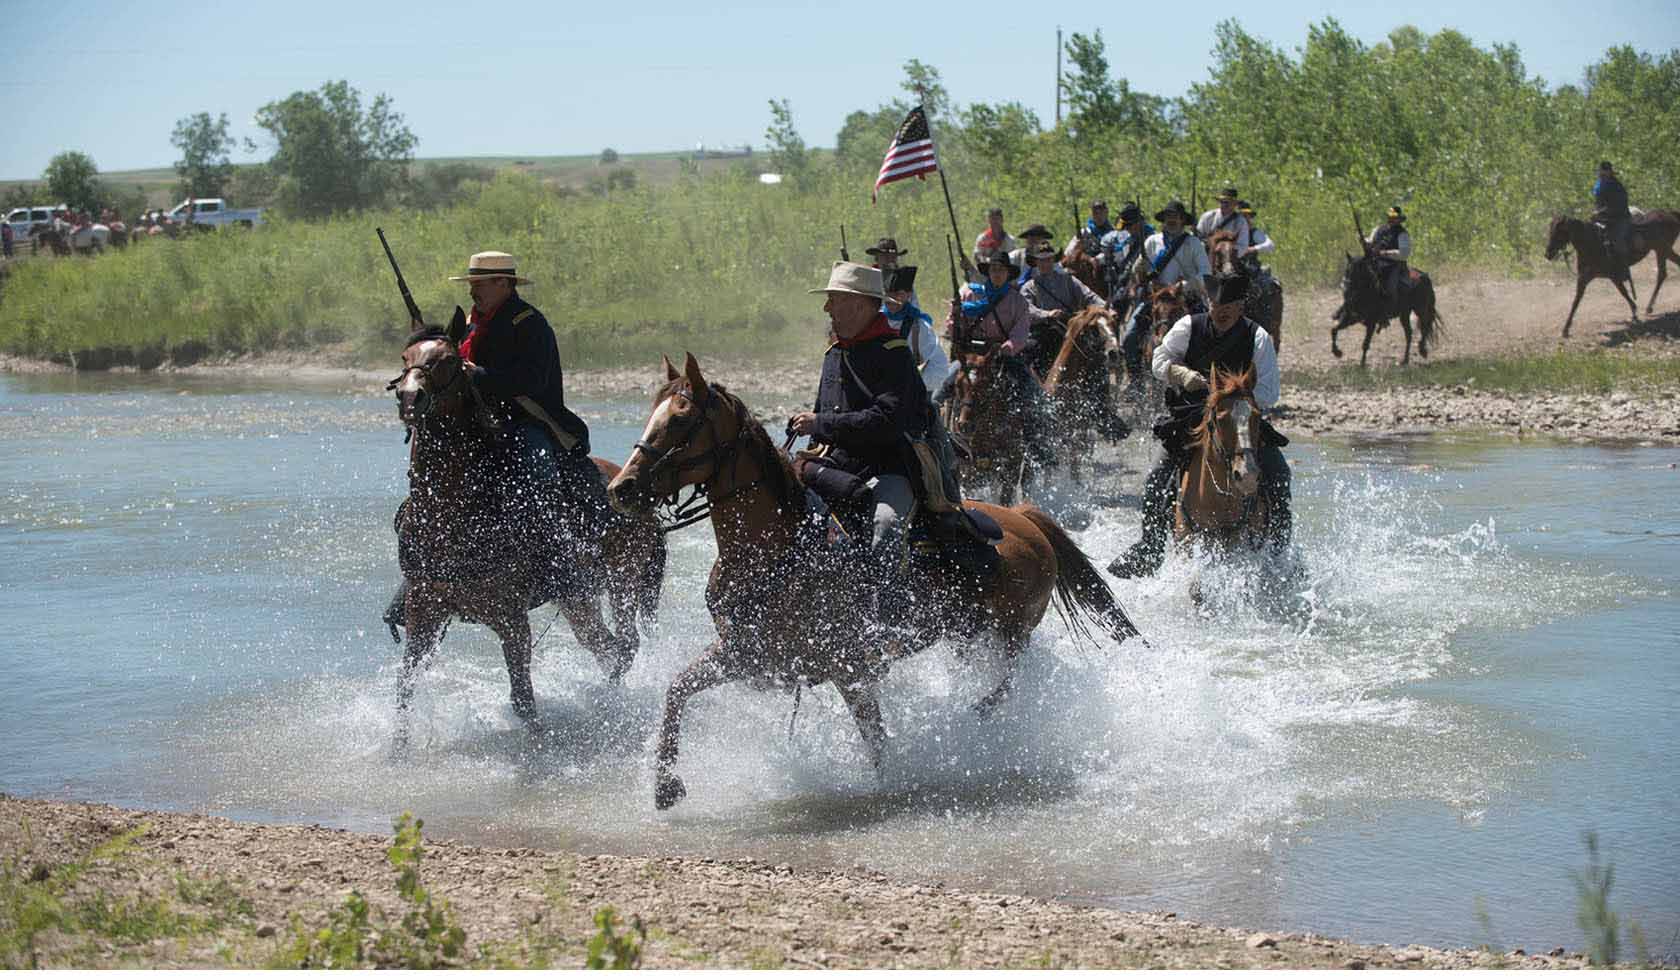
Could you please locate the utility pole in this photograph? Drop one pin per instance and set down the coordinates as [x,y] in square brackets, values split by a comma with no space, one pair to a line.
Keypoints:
[1058,76]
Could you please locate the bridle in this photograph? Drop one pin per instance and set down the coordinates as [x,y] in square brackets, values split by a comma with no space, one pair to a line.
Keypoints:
[433,395]
[697,506]
[1213,448]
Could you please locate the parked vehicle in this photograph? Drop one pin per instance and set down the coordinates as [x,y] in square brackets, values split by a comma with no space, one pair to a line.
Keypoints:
[26,220]
[214,212]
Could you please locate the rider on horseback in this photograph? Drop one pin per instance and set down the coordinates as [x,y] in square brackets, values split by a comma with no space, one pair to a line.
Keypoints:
[905,311]
[1257,244]
[1610,213]
[992,241]
[995,311]
[1174,255]
[1096,228]
[869,399]
[1031,238]
[1391,246]
[1227,339]
[1226,217]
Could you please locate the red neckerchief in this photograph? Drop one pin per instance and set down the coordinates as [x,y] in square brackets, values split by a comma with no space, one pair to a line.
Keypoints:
[990,240]
[475,320]
[878,328]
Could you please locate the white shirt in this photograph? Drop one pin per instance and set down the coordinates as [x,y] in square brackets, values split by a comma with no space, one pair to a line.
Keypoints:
[1238,225]
[1261,243]
[1190,263]
[1176,344]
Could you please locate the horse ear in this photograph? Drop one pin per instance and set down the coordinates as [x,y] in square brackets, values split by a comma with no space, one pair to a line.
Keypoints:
[670,369]
[691,368]
[457,327]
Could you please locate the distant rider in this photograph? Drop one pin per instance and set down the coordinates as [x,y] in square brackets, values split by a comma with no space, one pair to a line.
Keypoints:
[1391,247]
[1610,212]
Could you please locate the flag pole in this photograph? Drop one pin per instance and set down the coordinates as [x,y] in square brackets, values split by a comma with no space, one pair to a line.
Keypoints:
[943,186]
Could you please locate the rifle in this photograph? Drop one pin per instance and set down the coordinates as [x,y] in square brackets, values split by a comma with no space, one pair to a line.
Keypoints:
[844,255]
[1359,229]
[956,298]
[415,319]
[1195,206]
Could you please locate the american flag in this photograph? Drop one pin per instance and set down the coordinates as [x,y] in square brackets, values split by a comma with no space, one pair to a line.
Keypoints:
[911,153]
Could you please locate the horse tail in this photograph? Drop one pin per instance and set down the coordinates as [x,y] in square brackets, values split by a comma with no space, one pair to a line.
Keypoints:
[652,581]
[1082,597]
[1430,320]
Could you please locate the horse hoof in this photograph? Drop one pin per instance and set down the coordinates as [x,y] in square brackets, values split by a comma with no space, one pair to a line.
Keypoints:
[1335,351]
[667,791]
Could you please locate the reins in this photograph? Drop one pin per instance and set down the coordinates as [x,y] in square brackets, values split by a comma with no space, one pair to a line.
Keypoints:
[681,512]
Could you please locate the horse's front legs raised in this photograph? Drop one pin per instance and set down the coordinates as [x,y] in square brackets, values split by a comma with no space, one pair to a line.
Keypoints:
[705,672]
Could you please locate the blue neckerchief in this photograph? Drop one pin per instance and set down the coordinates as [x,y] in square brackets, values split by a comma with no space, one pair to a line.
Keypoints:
[986,296]
[1166,250]
[1598,186]
[905,313]
[1096,229]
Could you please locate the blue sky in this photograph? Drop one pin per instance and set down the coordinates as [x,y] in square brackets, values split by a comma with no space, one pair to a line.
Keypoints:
[507,78]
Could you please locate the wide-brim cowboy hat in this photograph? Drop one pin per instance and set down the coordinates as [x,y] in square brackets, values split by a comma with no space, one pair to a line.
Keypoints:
[1173,207]
[1043,250]
[1130,213]
[851,277]
[1395,212]
[986,261]
[886,246]
[1228,194]
[1037,231]
[491,265]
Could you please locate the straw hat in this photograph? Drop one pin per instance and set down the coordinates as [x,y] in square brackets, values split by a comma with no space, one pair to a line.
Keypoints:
[850,277]
[490,265]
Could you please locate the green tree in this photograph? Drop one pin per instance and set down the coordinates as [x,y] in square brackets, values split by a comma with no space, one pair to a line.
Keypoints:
[332,155]
[923,83]
[863,138]
[204,143]
[608,156]
[73,180]
[999,137]
[788,154]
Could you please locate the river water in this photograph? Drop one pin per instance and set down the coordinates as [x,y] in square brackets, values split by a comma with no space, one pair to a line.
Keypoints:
[1477,668]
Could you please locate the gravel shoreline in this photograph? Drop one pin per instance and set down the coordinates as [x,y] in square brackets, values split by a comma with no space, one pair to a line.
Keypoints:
[237,888]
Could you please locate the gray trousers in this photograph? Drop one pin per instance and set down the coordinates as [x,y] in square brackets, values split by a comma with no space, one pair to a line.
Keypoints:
[894,499]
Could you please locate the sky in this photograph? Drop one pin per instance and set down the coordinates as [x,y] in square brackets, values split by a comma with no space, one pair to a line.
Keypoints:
[111,78]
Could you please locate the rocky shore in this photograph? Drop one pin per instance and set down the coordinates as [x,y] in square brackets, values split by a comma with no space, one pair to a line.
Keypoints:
[97,886]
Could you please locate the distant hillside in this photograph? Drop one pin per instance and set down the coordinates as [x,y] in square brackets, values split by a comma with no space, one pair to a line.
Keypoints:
[158,183]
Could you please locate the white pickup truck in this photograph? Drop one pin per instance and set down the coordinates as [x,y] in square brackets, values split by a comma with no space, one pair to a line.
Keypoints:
[213,211]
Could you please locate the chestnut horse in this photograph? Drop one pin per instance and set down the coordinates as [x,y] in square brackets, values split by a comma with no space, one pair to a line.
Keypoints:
[1653,231]
[979,413]
[1218,497]
[788,608]
[1084,267]
[1265,297]
[462,561]
[1078,380]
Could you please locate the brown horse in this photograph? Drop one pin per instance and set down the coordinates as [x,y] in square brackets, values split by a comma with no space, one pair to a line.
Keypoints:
[1265,301]
[462,561]
[979,413]
[1167,306]
[788,608]
[1085,268]
[1078,380]
[1218,497]
[1653,231]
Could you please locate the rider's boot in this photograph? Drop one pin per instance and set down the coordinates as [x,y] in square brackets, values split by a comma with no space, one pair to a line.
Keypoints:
[1159,492]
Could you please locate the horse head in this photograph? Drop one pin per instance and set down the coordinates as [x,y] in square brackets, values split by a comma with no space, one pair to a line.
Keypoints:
[434,381]
[693,438]
[1228,443]
[1167,304]
[1557,236]
[1090,340]
[1222,252]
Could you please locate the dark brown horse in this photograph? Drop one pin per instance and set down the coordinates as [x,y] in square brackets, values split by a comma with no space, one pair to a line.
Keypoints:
[1363,301]
[1653,231]
[464,558]
[980,413]
[1078,380]
[786,606]
[1085,268]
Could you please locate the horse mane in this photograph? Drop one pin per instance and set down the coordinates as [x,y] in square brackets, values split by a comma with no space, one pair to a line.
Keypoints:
[779,477]
[1222,386]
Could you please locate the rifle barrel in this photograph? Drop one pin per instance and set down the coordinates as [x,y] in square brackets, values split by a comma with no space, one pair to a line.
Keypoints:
[402,284]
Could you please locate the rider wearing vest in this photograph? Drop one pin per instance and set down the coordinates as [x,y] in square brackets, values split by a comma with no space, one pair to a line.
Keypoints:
[904,310]
[995,311]
[1225,338]
[1610,211]
[1391,246]
[869,399]
[1226,217]
[1174,255]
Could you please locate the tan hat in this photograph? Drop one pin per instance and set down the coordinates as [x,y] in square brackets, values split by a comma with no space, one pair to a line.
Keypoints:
[490,265]
[850,277]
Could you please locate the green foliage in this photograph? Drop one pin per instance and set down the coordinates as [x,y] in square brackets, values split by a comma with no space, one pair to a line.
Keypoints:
[788,154]
[21,195]
[923,82]
[441,185]
[1597,920]
[609,156]
[331,155]
[611,949]
[1585,372]
[73,180]
[204,144]
[426,938]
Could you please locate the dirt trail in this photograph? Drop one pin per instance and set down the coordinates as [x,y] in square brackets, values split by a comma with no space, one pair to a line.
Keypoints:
[233,888]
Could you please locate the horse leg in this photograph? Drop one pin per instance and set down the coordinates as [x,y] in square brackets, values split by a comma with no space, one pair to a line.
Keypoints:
[707,671]
[1662,273]
[1336,351]
[424,617]
[612,651]
[864,702]
[1012,647]
[1406,325]
[1580,287]
[514,629]
[1633,307]
[1370,331]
